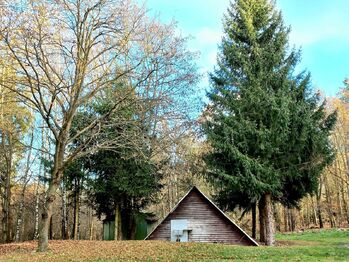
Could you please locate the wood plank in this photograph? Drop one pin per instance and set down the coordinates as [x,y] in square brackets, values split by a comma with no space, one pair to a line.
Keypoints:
[207,224]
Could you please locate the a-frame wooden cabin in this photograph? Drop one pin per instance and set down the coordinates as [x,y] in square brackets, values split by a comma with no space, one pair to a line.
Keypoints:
[197,219]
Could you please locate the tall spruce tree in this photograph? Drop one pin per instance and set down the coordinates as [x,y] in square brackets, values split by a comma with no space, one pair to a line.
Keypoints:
[268,131]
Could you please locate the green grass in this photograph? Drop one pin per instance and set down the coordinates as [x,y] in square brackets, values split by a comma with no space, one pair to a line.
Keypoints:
[327,237]
[324,245]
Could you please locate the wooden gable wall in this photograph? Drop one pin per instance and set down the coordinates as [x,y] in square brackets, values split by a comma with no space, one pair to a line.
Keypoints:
[206,222]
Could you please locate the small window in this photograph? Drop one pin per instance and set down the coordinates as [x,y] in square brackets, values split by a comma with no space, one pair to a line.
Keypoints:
[179,230]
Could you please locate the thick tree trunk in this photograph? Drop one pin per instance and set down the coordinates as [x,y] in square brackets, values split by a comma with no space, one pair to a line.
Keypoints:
[117,229]
[269,220]
[254,222]
[47,214]
[56,176]
[55,180]
[261,208]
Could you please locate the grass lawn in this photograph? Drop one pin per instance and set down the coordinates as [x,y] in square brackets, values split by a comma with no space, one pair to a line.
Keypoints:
[324,245]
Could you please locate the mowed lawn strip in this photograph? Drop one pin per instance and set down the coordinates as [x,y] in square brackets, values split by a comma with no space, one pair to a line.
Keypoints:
[324,245]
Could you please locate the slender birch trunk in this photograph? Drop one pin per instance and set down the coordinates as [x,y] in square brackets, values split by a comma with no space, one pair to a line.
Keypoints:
[37,202]
[19,217]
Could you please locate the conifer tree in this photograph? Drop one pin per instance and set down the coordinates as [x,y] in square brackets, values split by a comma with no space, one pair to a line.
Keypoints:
[268,130]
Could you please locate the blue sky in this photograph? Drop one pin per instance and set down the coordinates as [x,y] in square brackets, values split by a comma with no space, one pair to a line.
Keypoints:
[319,27]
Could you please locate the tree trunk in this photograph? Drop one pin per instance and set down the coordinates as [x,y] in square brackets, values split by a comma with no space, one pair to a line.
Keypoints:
[51,229]
[6,209]
[318,204]
[261,208]
[321,224]
[76,210]
[314,214]
[47,212]
[91,223]
[64,212]
[91,230]
[55,180]
[37,202]
[6,201]
[339,204]
[329,203]
[133,226]
[337,182]
[117,229]
[291,220]
[254,222]
[345,206]
[269,220]
[277,218]
[285,219]
[20,217]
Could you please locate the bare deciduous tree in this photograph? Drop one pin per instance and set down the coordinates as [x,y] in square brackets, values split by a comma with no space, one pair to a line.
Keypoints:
[66,52]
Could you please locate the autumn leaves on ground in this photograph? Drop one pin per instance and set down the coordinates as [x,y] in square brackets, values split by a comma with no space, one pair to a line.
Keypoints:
[331,245]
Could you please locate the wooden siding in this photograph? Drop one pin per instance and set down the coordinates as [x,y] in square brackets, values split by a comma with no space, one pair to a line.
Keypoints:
[206,222]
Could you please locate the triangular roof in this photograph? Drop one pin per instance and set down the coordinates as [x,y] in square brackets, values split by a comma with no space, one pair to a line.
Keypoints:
[194,188]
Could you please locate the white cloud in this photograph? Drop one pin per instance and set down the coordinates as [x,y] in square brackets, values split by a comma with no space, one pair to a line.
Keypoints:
[330,26]
[212,57]
[208,36]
